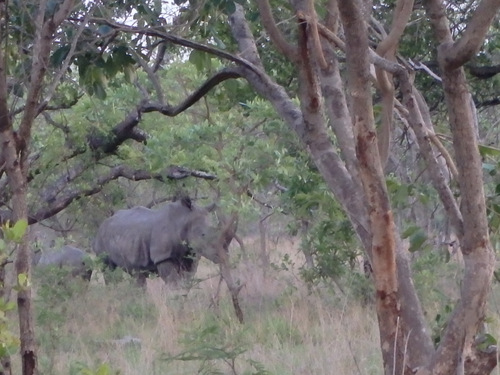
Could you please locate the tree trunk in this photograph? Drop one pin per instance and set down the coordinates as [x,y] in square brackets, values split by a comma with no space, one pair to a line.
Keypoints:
[358,181]
[457,351]
[17,183]
[6,363]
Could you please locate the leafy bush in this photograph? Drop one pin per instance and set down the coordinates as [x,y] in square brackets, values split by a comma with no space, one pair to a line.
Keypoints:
[215,347]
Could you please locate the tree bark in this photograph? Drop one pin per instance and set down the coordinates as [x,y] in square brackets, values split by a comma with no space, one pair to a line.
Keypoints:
[457,345]
[371,172]
[308,123]
[17,184]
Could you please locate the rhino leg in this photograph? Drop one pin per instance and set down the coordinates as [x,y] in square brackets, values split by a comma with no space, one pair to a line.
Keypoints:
[168,271]
[141,278]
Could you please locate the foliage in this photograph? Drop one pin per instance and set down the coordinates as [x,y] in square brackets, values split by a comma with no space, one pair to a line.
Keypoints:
[16,232]
[82,369]
[439,324]
[9,343]
[327,235]
[210,345]
[56,288]
[9,235]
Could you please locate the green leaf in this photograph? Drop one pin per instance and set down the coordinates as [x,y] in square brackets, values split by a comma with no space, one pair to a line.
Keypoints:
[18,90]
[19,229]
[200,60]
[229,7]
[103,370]
[410,231]
[487,340]
[489,151]
[59,55]
[23,282]
[104,29]
[122,57]
[99,90]
[417,240]
[16,232]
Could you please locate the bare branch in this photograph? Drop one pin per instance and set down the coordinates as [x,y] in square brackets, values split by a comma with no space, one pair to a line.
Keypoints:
[483,72]
[59,200]
[159,33]
[120,133]
[313,42]
[64,10]
[400,18]
[331,37]
[67,61]
[41,51]
[152,77]
[421,66]
[387,49]
[217,78]
[473,37]
[267,20]
[446,155]
[332,16]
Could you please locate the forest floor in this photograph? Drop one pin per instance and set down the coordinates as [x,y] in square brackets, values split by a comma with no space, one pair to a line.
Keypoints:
[288,328]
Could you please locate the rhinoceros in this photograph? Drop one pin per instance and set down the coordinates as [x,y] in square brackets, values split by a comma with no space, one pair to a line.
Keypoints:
[167,241]
[68,257]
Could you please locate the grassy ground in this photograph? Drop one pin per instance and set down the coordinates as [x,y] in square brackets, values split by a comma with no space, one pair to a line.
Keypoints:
[288,329]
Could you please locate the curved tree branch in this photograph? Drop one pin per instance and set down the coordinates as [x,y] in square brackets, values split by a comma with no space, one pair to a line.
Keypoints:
[468,45]
[58,200]
[159,33]
[267,20]
[483,72]
[387,49]
[171,111]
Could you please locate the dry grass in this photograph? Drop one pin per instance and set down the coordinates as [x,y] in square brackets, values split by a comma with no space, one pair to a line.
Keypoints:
[288,329]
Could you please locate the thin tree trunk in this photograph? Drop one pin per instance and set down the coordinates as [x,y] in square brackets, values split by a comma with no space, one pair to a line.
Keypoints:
[6,363]
[17,183]
[371,173]
[264,256]
[304,224]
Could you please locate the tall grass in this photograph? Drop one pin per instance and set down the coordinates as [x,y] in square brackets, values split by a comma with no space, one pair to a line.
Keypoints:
[288,329]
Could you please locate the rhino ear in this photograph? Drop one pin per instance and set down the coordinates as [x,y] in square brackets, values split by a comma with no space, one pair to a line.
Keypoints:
[186,201]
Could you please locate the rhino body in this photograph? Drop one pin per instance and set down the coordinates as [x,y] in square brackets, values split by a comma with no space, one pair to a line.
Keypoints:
[167,241]
[67,257]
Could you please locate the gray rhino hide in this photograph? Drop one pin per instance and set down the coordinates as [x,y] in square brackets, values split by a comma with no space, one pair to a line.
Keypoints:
[67,256]
[141,239]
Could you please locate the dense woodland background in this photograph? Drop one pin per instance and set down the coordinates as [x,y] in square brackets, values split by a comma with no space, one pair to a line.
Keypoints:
[356,143]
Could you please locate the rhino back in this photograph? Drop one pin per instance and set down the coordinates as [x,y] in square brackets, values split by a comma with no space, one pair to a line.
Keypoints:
[125,237]
[66,256]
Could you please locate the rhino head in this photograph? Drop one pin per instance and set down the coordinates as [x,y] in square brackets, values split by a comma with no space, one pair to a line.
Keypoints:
[203,239]
[210,242]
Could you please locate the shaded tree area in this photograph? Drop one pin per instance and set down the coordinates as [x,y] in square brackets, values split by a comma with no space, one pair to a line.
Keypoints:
[339,75]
